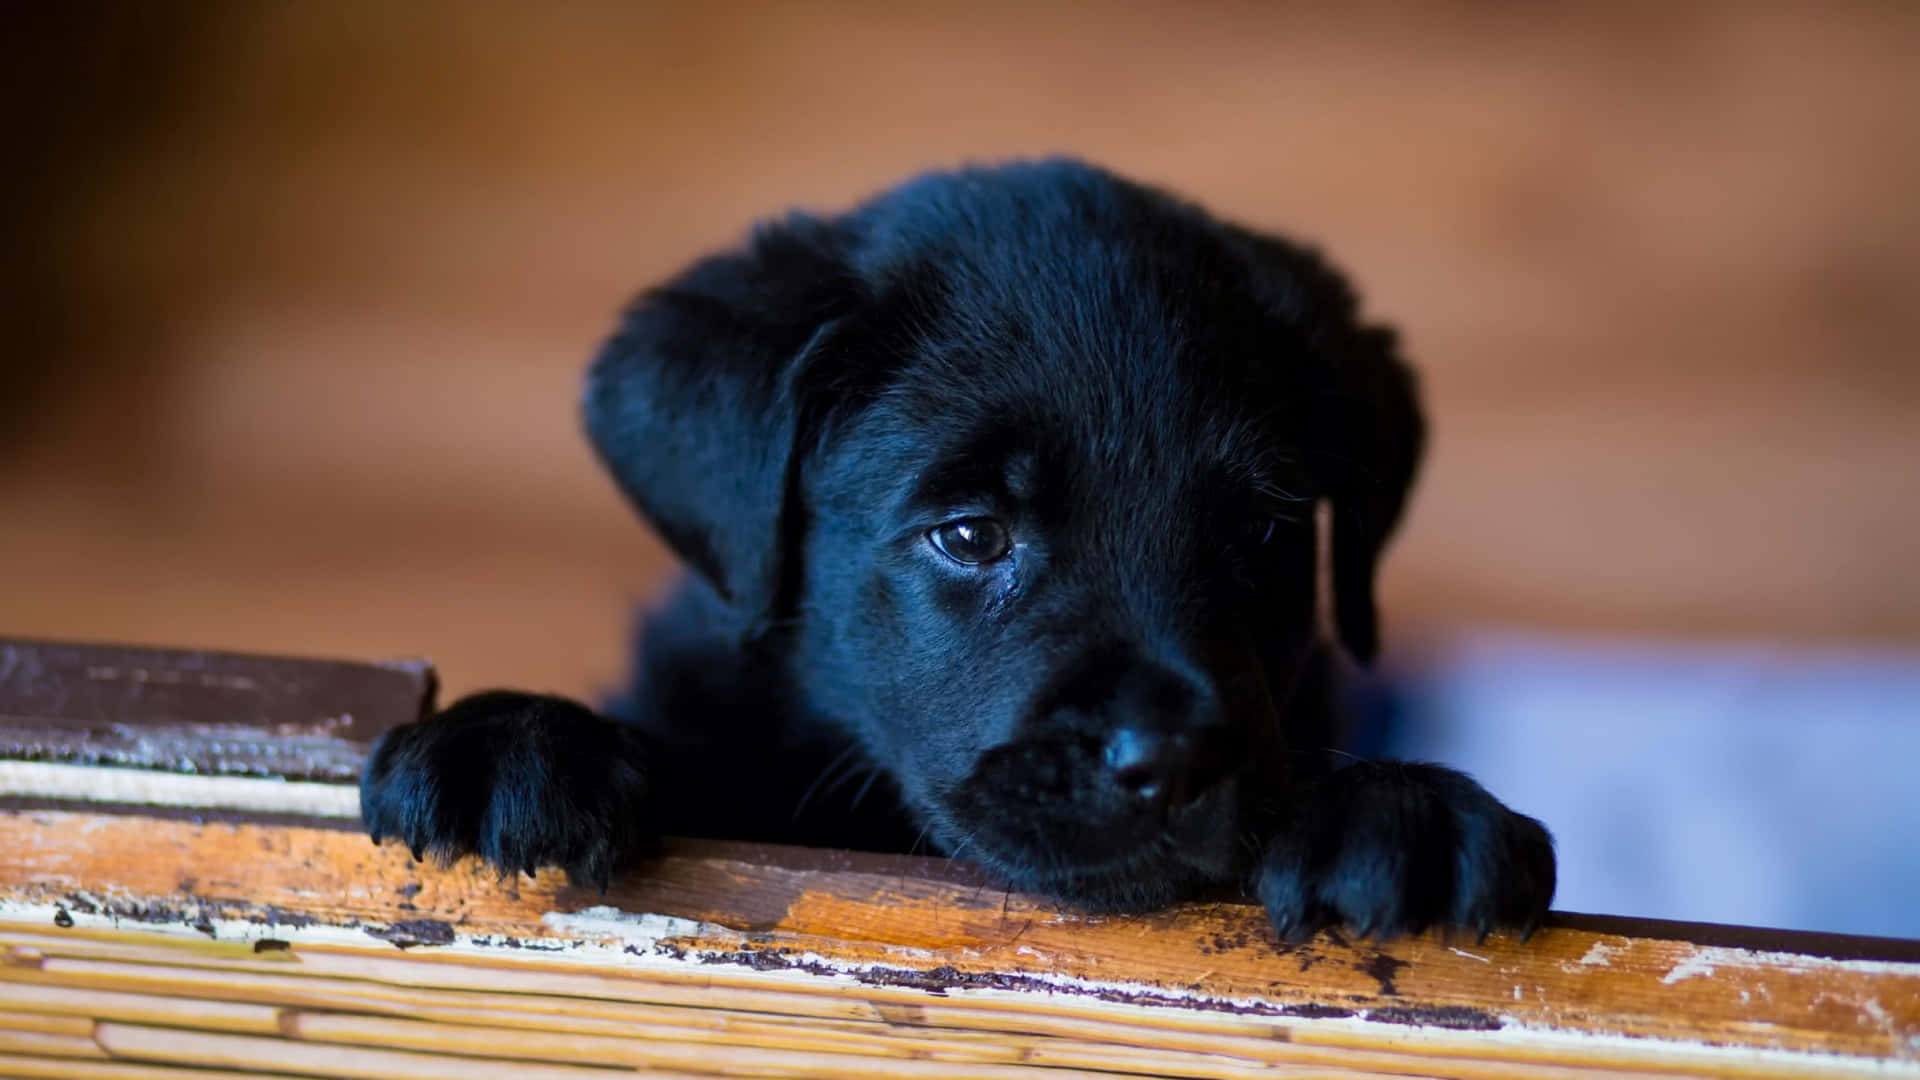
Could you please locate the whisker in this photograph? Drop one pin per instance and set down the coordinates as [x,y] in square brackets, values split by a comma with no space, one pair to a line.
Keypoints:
[963,845]
[1276,492]
[807,796]
[873,773]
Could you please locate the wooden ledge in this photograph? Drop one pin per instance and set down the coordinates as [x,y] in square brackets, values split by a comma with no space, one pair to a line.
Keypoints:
[160,925]
[306,950]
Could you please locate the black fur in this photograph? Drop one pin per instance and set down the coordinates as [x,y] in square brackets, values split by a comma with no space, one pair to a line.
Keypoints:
[1143,406]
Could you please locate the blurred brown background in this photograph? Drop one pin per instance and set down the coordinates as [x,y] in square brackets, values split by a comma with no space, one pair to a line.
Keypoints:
[300,292]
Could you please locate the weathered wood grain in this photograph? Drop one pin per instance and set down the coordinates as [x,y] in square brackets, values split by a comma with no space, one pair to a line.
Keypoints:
[135,943]
[200,712]
[204,927]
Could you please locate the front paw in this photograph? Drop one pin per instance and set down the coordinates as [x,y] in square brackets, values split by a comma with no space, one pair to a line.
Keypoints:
[522,780]
[1389,848]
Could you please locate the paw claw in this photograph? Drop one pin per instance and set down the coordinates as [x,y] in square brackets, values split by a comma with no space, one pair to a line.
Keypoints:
[1390,851]
[527,809]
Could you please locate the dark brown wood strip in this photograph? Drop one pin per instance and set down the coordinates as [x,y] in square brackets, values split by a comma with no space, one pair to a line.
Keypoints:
[201,712]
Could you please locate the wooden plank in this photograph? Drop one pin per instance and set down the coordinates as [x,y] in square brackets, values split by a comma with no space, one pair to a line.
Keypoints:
[780,961]
[200,712]
[158,923]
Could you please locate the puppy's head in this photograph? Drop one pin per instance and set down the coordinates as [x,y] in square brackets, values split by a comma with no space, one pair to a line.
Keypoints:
[1018,468]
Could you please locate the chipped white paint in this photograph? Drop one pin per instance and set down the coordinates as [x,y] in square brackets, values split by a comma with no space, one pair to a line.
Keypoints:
[1597,954]
[1693,965]
[139,787]
[1798,963]
[1707,960]
[607,923]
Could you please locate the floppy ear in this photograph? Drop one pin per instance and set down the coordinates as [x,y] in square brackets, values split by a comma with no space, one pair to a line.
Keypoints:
[1365,428]
[698,402]
[1372,453]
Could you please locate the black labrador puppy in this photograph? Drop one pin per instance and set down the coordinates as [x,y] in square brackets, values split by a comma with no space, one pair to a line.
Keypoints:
[1000,492]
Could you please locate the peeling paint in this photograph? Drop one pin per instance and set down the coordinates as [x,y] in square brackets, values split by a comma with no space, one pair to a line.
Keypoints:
[634,928]
[1599,953]
[407,933]
[1694,966]
[1453,1017]
[673,952]
[1722,956]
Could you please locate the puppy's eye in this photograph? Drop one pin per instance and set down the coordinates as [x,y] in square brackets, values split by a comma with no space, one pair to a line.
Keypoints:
[971,541]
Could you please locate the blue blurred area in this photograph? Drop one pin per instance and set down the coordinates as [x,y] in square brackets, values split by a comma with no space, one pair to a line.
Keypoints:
[1759,785]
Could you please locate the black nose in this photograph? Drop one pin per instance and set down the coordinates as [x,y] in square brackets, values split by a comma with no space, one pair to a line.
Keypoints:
[1154,768]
